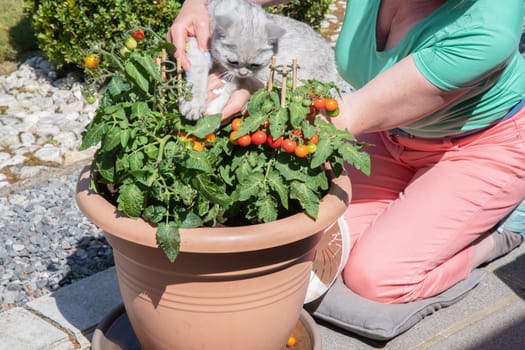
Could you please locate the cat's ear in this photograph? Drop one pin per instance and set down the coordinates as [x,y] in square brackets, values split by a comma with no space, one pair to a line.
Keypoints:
[274,32]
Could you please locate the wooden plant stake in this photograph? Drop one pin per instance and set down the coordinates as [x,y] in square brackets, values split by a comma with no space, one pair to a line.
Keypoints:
[283,86]
[272,70]
[163,57]
[294,74]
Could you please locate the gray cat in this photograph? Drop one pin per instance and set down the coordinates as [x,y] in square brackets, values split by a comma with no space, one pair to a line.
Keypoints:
[243,40]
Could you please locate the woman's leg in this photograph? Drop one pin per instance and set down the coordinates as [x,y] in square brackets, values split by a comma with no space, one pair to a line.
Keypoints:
[419,242]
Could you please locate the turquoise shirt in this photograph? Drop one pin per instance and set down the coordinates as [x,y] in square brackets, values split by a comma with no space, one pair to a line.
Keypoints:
[469,44]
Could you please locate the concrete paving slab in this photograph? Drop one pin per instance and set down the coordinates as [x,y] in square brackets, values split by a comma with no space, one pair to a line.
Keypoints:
[79,307]
[21,329]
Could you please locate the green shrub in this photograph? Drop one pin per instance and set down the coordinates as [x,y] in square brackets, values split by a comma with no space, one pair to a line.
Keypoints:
[308,11]
[66,29]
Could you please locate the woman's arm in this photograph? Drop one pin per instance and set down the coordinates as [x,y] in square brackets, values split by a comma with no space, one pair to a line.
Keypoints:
[398,96]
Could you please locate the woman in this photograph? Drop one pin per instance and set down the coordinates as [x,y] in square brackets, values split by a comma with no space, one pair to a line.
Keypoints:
[439,89]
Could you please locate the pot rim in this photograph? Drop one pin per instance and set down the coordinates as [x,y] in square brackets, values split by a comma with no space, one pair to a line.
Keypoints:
[223,239]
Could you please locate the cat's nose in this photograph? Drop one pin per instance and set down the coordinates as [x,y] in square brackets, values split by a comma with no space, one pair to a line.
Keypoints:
[243,72]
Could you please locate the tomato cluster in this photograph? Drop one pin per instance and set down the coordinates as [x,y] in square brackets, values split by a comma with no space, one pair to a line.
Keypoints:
[198,144]
[330,105]
[293,143]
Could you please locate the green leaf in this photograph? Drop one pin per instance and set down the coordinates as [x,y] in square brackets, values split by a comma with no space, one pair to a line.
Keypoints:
[278,122]
[93,136]
[124,137]
[112,139]
[276,183]
[168,238]
[136,161]
[267,209]
[191,220]
[130,200]
[210,190]
[105,166]
[198,161]
[324,150]
[252,123]
[117,85]
[297,114]
[360,160]
[205,126]
[147,64]
[155,213]
[308,199]
[251,186]
[136,76]
[140,109]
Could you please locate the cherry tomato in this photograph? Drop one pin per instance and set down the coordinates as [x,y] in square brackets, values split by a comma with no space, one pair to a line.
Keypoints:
[297,98]
[331,105]
[197,146]
[314,139]
[291,341]
[274,143]
[297,133]
[301,151]
[91,99]
[289,145]
[319,103]
[130,43]
[233,138]
[138,34]
[209,139]
[312,147]
[244,140]
[259,137]
[236,124]
[92,60]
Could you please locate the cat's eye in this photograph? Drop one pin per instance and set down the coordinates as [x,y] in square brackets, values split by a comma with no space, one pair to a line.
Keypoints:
[255,65]
[233,63]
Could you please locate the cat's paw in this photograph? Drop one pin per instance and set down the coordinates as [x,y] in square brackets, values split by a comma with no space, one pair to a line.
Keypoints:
[191,109]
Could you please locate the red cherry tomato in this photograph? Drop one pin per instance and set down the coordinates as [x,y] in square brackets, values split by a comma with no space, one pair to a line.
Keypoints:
[331,105]
[244,140]
[138,34]
[274,143]
[259,137]
[289,145]
[319,103]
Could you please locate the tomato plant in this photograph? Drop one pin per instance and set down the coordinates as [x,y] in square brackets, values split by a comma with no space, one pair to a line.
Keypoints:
[177,173]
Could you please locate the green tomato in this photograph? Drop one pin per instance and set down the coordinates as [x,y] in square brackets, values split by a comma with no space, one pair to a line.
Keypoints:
[130,43]
[90,99]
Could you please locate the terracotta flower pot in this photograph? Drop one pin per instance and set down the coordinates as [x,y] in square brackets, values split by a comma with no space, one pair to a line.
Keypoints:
[229,287]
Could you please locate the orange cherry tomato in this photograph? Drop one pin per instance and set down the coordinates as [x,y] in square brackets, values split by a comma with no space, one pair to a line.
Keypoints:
[301,151]
[233,138]
[331,105]
[92,60]
[209,139]
[314,139]
[197,146]
[236,124]
[291,341]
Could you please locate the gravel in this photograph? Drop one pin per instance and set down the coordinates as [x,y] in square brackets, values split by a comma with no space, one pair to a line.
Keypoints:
[46,243]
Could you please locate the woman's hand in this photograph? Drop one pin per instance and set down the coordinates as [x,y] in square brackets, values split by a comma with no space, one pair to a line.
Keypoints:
[193,20]
[235,104]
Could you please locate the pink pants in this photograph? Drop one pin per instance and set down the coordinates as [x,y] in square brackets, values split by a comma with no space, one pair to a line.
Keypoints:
[415,219]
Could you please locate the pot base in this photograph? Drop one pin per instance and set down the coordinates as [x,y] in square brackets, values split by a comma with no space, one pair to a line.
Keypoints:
[114,332]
